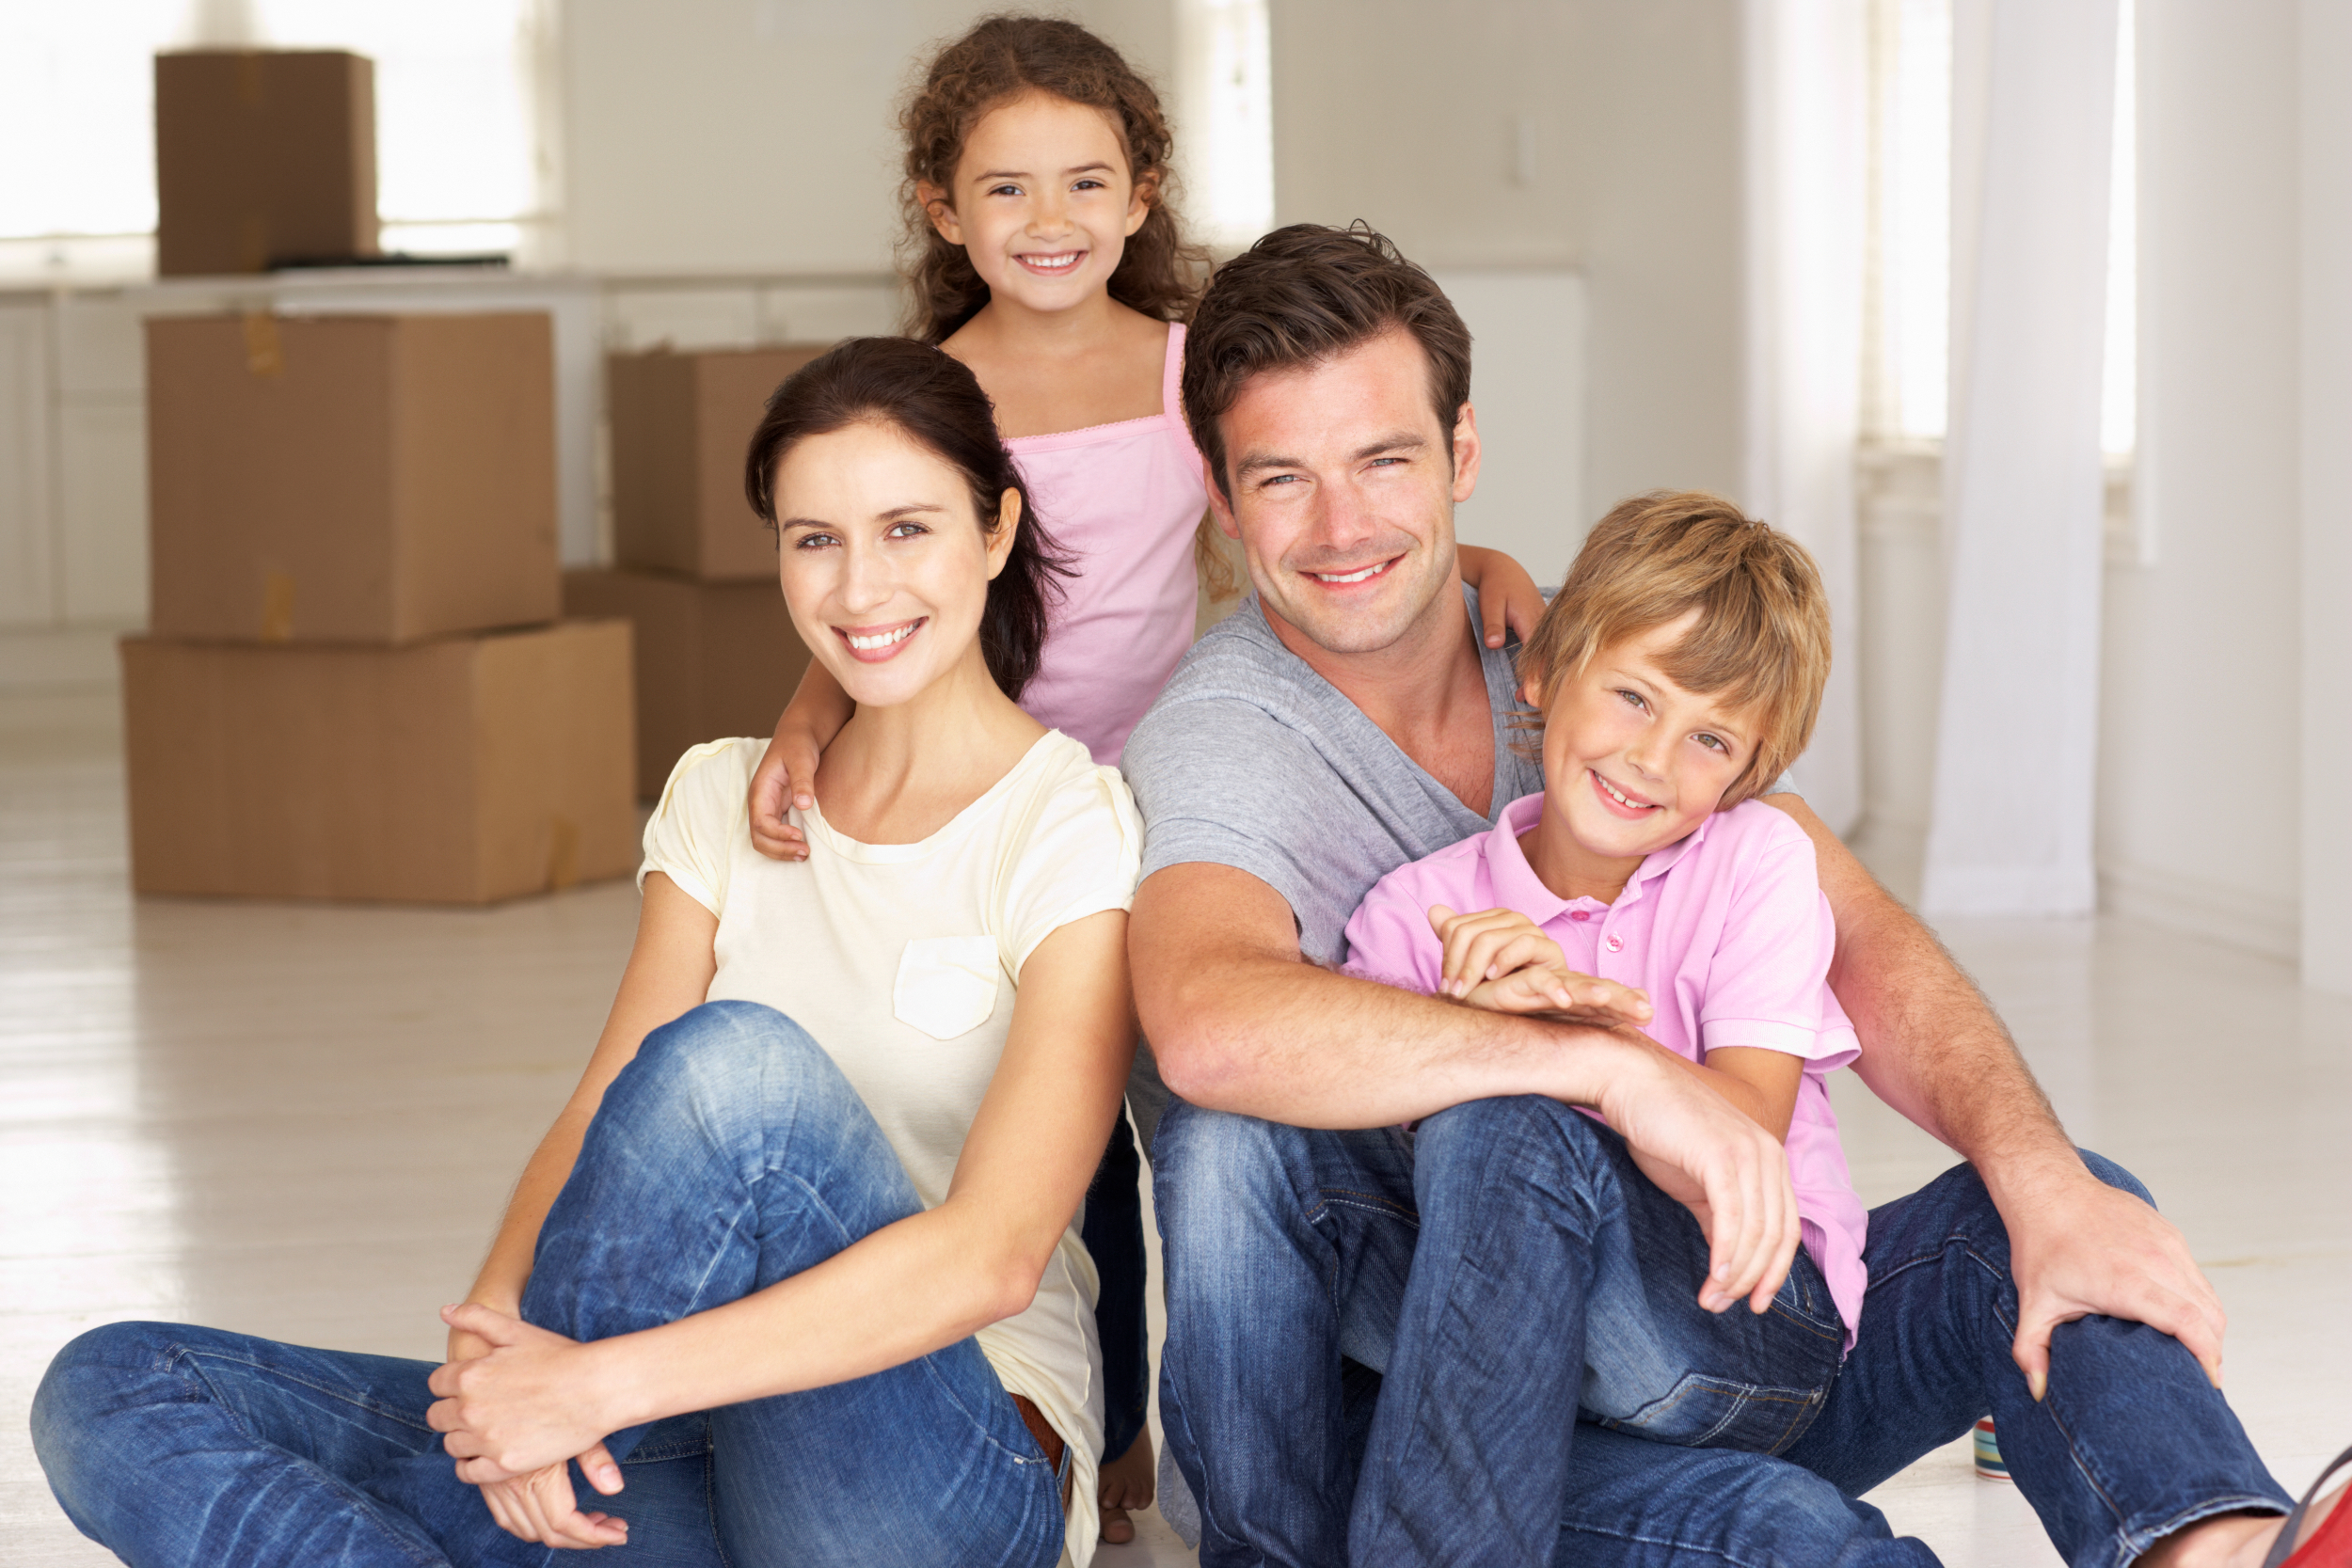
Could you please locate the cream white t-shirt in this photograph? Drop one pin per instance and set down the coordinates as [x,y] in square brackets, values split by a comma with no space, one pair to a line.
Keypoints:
[901,960]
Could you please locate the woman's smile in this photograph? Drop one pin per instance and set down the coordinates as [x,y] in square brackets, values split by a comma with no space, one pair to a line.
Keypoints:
[876,644]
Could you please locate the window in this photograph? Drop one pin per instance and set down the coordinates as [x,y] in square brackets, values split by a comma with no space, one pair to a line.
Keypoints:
[460,164]
[1226,131]
[1907,290]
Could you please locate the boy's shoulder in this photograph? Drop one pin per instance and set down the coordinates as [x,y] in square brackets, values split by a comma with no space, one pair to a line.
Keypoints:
[1752,833]
[1448,871]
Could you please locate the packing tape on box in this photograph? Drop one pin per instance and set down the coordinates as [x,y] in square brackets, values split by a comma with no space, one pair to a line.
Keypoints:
[263,356]
[562,852]
[278,590]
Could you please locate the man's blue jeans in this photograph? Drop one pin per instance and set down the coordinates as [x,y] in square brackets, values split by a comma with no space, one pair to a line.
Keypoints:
[729,1155]
[1552,1394]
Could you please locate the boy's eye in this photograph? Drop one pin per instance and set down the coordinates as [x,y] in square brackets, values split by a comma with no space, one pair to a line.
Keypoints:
[1635,698]
[1715,742]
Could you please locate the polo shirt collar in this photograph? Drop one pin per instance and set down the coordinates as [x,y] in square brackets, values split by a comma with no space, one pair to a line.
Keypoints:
[1518,886]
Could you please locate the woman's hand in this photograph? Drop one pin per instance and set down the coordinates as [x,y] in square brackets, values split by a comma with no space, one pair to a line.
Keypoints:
[530,1403]
[1508,599]
[541,1507]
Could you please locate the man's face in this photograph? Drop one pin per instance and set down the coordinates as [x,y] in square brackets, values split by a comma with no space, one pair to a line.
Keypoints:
[1343,494]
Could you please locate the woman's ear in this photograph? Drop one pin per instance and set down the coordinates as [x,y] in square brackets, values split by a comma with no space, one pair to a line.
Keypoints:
[941,211]
[1003,533]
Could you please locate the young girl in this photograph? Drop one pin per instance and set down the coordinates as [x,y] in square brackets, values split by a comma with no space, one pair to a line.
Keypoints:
[1043,251]
[1677,672]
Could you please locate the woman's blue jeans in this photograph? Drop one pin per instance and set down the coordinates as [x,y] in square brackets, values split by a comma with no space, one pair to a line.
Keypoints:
[729,1155]
[1384,1351]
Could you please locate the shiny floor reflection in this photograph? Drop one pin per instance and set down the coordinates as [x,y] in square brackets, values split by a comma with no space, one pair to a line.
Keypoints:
[301,1121]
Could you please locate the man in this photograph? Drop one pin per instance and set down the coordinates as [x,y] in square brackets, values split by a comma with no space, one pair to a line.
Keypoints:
[1349,719]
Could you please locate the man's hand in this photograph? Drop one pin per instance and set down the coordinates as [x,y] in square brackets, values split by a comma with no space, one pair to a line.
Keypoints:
[788,772]
[1712,1158]
[2084,1248]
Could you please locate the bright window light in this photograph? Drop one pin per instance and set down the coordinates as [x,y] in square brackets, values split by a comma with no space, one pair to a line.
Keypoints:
[457,155]
[1225,132]
[1909,279]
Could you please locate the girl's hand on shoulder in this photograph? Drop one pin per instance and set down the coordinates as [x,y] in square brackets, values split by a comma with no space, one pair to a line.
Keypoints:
[1509,602]
[786,774]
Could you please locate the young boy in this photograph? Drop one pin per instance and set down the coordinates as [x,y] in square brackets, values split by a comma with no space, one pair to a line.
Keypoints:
[1676,673]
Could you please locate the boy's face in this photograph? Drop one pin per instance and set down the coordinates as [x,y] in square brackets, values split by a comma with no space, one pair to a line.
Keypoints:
[1632,761]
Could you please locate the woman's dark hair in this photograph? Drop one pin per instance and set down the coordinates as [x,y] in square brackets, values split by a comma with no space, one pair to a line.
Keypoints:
[1001,58]
[933,399]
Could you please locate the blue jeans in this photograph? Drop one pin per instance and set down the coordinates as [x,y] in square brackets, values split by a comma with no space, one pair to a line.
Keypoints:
[1552,1394]
[729,1155]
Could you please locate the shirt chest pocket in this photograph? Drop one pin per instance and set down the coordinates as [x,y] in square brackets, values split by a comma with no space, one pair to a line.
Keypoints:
[947,986]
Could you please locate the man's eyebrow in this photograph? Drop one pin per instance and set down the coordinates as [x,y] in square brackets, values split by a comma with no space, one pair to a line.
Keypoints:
[1400,441]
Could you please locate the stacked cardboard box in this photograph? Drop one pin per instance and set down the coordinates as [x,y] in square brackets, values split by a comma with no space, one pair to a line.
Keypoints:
[263,157]
[716,653]
[355,684]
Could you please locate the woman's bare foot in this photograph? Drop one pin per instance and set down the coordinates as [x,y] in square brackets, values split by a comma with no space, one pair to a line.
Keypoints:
[1126,1484]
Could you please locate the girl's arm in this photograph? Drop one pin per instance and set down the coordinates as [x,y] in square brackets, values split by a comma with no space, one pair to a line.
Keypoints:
[1508,599]
[903,1292]
[810,720]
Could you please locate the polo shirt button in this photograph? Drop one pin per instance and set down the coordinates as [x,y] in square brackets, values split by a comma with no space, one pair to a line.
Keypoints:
[1580,914]
[1615,944]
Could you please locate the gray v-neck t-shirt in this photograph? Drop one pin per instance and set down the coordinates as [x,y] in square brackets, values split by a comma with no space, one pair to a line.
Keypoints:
[1250,759]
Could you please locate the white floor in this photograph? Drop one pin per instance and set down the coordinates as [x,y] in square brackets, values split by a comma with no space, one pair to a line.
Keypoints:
[301,1121]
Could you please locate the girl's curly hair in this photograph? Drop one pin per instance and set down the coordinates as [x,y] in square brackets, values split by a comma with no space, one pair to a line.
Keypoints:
[999,59]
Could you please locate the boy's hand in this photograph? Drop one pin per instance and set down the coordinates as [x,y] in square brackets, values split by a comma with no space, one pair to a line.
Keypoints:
[1552,988]
[788,772]
[1484,949]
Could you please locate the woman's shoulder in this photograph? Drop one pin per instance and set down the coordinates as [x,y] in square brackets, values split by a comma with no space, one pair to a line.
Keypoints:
[704,773]
[1065,788]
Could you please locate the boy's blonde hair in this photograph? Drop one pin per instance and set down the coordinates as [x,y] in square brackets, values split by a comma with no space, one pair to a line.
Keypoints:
[1761,641]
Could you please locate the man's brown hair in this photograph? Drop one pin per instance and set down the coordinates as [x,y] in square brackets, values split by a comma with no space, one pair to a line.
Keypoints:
[1761,640]
[1301,296]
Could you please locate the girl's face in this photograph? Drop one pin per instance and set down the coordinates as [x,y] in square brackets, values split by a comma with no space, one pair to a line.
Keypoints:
[1042,202]
[885,569]
[1633,762]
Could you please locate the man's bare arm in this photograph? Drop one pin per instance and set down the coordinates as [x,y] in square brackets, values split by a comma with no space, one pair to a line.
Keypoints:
[1933,1049]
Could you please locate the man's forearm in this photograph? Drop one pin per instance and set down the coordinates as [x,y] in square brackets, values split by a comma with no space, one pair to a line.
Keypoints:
[1931,1045]
[1287,1041]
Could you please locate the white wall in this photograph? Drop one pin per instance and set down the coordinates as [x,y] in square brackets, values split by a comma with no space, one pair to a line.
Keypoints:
[1600,136]
[756,135]
[2200,718]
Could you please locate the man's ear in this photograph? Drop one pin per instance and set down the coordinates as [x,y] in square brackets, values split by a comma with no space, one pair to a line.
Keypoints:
[1006,529]
[1464,454]
[941,211]
[1220,506]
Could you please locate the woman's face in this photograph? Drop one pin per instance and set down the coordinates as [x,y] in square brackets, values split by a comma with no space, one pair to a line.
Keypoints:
[1043,202]
[884,567]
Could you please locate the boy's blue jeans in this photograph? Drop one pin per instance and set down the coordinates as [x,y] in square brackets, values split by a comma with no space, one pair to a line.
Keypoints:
[1483,1346]
[729,1155]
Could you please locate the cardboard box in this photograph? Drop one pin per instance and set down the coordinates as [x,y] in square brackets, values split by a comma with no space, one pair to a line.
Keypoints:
[713,658]
[263,157]
[681,423]
[353,478]
[458,772]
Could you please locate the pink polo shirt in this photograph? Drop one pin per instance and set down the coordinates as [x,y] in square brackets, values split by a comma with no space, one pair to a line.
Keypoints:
[1729,932]
[1123,501]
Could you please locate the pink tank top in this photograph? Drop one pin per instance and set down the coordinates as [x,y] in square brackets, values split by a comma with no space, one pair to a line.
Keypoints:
[1122,501]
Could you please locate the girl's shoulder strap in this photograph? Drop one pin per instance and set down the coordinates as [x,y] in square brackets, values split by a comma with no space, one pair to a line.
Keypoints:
[1172,374]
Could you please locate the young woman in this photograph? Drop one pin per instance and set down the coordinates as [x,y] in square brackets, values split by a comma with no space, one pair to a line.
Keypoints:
[794,1278]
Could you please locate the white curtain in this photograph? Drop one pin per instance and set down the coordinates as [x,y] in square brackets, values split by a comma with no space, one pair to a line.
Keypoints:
[1808,160]
[2327,370]
[2032,122]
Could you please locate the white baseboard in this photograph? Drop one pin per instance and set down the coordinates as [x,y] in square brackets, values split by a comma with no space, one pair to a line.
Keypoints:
[32,658]
[2260,922]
